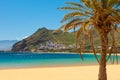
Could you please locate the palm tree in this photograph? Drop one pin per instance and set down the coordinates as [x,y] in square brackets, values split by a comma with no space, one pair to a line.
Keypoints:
[87,16]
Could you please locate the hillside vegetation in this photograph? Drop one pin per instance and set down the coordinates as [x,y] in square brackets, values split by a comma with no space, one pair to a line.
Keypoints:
[43,35]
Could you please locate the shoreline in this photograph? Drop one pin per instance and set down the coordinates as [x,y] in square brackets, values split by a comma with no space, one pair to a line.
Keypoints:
[55,66]
[49,66]
[54,52]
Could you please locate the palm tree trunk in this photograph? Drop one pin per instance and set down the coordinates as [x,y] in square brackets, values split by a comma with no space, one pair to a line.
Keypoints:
[102,68]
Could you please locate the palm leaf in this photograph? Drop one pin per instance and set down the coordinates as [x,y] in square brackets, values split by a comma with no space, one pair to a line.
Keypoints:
[71,15]
[74,4]
[113,45]
[79,32]
[100,15]
[92,44]
[69,8]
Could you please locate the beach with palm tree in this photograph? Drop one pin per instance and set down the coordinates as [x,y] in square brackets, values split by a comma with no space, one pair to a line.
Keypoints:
[96,15]
[83,19]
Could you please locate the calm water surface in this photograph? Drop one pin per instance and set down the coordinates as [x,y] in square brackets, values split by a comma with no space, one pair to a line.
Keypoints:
[22,59]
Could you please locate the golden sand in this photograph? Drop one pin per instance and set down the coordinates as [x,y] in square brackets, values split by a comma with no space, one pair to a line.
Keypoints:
[59,73]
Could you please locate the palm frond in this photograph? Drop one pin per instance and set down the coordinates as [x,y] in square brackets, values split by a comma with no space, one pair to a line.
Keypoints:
[79,32]
[113,44]
[69,8]
[92,44]
[72,24]
[72,15]
[82,29]
[81,45]
[74,4]
[102,15]
[113,3]
[62,27]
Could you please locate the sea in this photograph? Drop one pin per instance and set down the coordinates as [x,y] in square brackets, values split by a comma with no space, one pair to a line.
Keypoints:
[29,59]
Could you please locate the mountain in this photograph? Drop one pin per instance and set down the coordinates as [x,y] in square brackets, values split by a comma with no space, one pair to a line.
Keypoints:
[6,45]
[44,39]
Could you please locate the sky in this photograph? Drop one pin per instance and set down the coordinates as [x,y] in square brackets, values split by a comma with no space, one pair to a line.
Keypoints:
[21,18]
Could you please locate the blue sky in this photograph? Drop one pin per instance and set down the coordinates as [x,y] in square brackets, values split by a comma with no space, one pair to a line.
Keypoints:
[21,18]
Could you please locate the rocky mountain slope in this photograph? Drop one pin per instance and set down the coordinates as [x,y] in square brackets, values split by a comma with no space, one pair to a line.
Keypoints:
[44,37]
[45,40]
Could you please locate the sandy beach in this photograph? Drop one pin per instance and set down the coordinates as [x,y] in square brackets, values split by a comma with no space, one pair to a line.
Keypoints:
[59,73]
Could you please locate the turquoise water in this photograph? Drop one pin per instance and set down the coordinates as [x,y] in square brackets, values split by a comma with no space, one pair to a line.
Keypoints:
[21,59]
